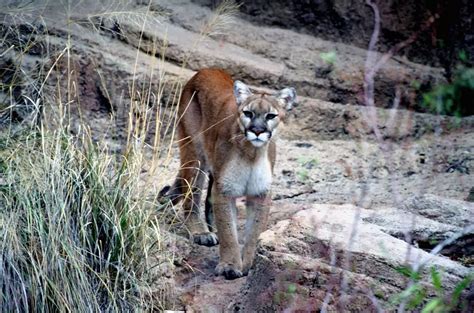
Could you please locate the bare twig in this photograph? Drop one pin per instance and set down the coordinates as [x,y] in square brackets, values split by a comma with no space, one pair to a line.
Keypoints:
[332,263]
[439,247]
[374,301]
[373,65]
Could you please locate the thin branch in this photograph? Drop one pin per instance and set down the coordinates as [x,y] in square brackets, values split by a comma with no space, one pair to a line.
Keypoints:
[395,49]
[439,247]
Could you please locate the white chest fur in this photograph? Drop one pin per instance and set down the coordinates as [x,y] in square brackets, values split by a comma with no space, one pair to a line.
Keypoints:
[241,177]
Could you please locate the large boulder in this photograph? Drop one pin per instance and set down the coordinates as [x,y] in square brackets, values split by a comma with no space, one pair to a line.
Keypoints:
[335,256]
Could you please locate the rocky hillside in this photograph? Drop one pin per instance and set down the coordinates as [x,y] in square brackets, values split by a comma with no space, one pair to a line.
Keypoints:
[350,208]
[351,22]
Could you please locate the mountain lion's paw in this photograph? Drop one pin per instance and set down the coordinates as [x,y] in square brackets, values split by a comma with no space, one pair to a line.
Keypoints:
[229,271]
[206,239]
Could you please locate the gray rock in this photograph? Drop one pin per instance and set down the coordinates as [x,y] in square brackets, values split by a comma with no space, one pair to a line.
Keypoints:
[455,212]
[318,258]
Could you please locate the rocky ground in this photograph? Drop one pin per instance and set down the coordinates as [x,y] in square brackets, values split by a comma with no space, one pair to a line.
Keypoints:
[348,209]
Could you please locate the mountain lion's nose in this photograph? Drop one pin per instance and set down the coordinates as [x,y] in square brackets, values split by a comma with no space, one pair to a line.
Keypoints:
[257,130]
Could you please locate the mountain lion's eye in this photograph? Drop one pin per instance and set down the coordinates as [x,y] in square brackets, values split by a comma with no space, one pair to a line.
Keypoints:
[248,114]
[270,116]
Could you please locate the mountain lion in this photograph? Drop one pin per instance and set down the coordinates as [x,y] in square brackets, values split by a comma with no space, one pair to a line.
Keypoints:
[227,131]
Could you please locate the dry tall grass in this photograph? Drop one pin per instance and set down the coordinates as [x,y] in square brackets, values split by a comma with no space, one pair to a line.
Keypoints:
[79,230]
[75,234]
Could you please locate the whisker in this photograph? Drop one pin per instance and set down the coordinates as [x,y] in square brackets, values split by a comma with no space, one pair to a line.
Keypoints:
[237,136]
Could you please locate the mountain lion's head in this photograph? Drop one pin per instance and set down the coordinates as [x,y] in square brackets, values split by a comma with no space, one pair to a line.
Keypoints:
[260,113]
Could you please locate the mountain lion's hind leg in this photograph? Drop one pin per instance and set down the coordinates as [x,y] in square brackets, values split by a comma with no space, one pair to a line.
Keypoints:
[208,212]
[193,177]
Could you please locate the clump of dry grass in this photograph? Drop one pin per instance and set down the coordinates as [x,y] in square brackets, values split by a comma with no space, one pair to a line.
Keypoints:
[79,232]
[221,20]
[79,225]
[74,233]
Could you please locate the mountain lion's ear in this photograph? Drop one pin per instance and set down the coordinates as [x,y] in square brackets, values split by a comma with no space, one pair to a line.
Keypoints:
[287,97]
[241,92]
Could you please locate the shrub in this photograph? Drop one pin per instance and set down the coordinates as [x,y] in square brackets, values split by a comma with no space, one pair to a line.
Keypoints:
[454,98]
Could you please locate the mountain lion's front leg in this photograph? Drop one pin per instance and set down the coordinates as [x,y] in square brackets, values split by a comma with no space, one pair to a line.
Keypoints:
[230,262]
[257,218]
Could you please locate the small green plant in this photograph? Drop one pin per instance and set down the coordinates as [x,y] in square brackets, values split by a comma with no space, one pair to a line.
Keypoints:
[303,175]
[291,288]
[307,162]
[416,295]
[438,303]
[454,98]
[329,57]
